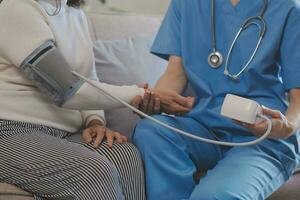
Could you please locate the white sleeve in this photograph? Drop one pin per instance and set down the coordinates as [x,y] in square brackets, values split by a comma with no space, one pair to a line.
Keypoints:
[25,34]
[23,30]
[90,98]
[88,116]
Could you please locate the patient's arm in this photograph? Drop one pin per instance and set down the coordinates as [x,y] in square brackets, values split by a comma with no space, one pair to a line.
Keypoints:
[47,68]
[89,98]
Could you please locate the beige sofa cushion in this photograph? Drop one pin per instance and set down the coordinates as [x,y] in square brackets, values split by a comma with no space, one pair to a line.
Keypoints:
[111,26]
[10,192]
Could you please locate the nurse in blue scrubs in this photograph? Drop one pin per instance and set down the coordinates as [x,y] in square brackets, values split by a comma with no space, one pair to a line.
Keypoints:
[185,40]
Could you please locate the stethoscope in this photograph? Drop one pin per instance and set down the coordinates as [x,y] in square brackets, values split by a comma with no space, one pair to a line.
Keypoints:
[215,59]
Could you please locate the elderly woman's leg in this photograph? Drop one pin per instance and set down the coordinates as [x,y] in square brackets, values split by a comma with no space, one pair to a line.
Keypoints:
[128,163]
[35,159]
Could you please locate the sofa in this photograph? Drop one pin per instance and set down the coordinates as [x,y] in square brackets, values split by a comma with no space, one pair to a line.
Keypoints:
[113,26]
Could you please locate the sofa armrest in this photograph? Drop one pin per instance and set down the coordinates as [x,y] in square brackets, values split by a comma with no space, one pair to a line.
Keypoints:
[290,190]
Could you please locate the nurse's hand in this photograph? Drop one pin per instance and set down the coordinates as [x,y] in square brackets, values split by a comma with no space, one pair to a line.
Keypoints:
[281,127]
[173,103]
[96,132]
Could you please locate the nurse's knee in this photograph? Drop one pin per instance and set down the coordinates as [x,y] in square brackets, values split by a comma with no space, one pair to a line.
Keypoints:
[149,133]
[144,132]
[213,192]
[145,125]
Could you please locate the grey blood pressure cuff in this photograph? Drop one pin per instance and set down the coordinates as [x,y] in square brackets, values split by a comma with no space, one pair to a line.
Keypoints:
[50,72]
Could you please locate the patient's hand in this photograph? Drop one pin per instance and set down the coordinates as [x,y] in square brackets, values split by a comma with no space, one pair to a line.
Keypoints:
[173,103]
[149,104]
[96,132]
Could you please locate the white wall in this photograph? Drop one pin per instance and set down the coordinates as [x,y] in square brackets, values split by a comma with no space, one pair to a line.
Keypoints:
[136,6]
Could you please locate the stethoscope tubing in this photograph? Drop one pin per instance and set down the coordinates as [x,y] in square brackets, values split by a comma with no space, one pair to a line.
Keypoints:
[248,22]
[226,70]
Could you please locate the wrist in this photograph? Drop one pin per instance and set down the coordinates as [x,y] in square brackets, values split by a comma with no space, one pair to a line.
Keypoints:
[95,122]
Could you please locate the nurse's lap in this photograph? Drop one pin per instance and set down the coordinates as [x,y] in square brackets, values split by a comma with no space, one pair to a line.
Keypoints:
[205,155]
[150,135]
[244,173]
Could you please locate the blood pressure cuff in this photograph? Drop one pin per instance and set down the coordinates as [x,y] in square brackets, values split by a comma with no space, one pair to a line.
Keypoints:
[50,72]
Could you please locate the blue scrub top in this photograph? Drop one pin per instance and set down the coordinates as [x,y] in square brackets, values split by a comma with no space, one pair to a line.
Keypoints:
[186,32]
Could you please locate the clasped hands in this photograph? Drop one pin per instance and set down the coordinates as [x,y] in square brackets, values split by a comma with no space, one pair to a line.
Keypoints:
[163,101]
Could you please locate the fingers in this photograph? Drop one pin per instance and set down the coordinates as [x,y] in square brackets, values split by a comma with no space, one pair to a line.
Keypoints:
[157,106]
[143,85]
[183,101]
[191,101]
[100,136]
[183,104]
[272,113]
[118,137]
[242,124]
[112,135]
[136,102]
[146,101]
[151,103]
[257,129]
[87,135]
[176,109]
[124,138]
[110,138]
[275,114]
[153,106]
[95,135]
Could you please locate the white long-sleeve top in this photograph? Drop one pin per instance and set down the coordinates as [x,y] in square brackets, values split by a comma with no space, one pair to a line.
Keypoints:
[25,26]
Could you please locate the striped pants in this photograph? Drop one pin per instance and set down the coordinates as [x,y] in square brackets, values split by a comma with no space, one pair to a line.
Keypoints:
[42,161]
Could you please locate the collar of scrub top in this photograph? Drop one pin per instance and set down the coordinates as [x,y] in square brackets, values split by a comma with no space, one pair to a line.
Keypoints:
[215,59]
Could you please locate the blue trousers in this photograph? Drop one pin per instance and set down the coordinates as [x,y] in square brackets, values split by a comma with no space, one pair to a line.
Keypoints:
[242,173]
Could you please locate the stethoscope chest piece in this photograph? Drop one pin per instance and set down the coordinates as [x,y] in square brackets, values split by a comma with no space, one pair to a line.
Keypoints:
[215,59]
